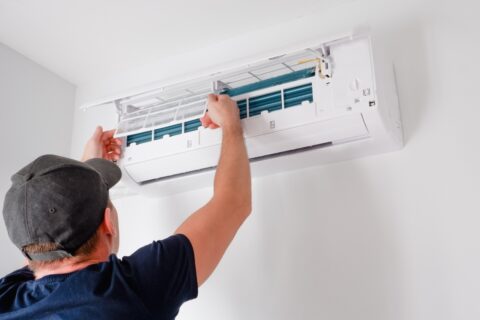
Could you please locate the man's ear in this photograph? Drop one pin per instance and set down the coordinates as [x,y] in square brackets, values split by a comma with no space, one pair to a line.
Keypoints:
[108,224]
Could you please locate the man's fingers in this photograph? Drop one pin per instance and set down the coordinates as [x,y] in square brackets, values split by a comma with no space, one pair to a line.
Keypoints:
[113,141]
[113,148]
[112,156]
[205,120]
[112,153]
[108,134]
[212,98]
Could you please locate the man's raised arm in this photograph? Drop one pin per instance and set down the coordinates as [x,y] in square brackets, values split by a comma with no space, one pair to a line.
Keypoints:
[212,227]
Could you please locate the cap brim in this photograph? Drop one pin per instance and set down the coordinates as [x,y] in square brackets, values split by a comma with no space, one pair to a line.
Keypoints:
[110,172]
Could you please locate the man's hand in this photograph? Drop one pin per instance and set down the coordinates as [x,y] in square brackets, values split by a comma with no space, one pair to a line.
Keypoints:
[102,144]
[222,112]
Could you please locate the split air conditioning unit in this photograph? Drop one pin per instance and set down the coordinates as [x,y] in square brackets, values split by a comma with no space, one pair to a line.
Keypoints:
[328,102]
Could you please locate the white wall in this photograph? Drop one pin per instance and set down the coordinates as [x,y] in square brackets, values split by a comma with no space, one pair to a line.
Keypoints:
[392,236]
[36,118]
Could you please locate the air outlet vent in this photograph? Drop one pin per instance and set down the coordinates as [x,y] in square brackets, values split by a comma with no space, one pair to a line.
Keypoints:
[139,138]
[242,105]
[267,102]
[295,96]
[170,130]
[192,125]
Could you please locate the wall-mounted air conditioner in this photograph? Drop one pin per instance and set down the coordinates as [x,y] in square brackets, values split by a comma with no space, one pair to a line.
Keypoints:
[328,102]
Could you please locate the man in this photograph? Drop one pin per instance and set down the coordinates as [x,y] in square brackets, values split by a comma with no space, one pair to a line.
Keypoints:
[59,215]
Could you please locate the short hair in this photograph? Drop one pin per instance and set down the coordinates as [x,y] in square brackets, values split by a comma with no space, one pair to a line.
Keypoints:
[85,249]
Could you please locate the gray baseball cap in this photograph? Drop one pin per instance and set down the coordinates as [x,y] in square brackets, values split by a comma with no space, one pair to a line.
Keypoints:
[58,200]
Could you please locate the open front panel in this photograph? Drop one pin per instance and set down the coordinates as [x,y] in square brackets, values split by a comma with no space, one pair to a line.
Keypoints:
[186,102]
[284,94]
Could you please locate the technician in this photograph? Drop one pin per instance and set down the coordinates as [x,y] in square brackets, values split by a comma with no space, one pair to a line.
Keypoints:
[58,213]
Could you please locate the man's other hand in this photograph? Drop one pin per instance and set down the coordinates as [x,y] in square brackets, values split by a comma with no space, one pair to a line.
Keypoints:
[222,112]
[102,144]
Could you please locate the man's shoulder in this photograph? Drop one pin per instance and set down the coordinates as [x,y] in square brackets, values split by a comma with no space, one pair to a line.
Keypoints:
[155,279]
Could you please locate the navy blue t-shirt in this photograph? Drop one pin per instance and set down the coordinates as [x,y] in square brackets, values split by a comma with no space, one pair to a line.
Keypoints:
[152,283]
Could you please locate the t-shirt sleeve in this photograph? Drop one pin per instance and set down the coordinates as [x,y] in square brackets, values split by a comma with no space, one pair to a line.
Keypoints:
[164,273]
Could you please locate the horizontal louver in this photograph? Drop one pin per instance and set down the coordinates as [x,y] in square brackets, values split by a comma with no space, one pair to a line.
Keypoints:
[192,125]
[295,96]
[242,105]
[170,130]
[267,102]
[139,138]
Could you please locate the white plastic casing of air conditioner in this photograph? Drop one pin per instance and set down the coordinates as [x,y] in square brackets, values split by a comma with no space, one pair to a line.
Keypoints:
[351,111]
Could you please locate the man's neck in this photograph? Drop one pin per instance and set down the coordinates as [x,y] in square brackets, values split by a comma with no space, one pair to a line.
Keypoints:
[101,253]
[68,266]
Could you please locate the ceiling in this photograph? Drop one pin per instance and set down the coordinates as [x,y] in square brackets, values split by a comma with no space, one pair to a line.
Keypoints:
[89,39]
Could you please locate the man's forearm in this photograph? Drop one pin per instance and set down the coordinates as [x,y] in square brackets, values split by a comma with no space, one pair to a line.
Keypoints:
[232,179]
[212,227]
